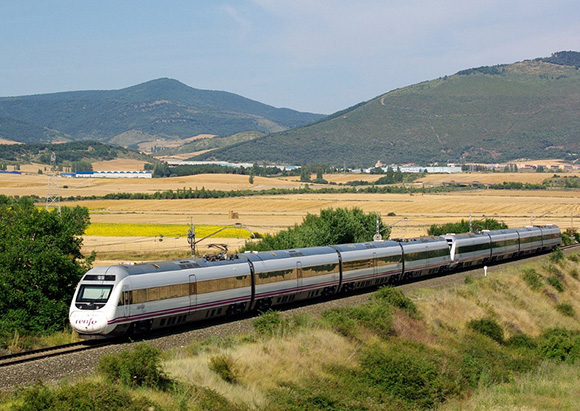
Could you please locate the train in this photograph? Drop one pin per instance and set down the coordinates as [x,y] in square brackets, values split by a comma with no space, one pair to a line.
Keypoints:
[124,299]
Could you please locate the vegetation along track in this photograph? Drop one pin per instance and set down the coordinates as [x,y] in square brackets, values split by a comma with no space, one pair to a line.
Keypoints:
[68,360]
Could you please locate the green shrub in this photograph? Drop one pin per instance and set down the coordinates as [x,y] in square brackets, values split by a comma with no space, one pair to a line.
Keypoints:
[138,367]
[521,341]
[412,374]
[560,344]
[488,327]
[574,274]
[396,298]
[555,282]
[271,323]
[82,396]
[340,321]
[574,257]
[469,279]
[532,278]
[223,366]
[556,256]
[566,309]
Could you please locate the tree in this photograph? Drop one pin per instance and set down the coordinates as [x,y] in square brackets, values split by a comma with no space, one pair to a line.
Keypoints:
[463,226]
[305,174]
[40,264]
[332,226]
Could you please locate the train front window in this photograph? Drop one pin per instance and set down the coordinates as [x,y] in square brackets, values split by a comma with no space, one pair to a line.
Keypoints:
[94,293]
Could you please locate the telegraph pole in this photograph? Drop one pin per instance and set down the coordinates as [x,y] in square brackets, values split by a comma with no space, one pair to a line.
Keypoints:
[52,194]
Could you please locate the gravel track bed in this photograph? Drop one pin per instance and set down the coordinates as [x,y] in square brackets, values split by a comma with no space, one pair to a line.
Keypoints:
[68,366]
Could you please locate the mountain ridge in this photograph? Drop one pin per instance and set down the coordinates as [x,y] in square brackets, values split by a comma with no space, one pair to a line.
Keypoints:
[526,109]
[161,108]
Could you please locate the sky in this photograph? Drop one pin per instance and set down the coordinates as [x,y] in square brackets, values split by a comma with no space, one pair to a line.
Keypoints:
[318,56]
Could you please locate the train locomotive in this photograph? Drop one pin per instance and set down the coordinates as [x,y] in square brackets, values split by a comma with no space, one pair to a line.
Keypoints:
[131,298]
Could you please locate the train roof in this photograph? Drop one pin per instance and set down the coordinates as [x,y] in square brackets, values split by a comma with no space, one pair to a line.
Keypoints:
[296,252]
[175,265]
[365,246]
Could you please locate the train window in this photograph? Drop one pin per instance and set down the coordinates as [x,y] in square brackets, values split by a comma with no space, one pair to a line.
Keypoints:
[94,293]
[274,276]
[319,270]
[357,265]
[388,260]
[223,284]
[474,247]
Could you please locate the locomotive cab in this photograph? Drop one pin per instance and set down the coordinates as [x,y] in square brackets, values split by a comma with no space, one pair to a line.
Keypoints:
[93,300]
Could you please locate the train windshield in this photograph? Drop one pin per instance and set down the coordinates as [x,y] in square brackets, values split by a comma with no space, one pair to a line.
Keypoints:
[94,293]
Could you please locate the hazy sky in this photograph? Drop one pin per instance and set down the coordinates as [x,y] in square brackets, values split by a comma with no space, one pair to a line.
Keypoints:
[310,55]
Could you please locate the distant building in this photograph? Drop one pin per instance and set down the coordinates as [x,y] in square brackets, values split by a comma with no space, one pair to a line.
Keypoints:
[109,174]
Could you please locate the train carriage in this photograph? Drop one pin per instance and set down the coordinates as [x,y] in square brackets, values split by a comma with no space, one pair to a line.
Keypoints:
[372,263]
[425,256]
[290,275]
[530,240]
[466,250]
[504,244]
[551,237]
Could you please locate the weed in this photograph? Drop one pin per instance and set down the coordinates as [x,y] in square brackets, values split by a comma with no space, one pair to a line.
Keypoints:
[223,366]
[271,323]
[396,298]
[411,373]
[555,282]
[139,367]
[81,396]
[560,344]
[469,279]
[574,273]
[566,309]
[521,340]
[488,327]
[532,278]
[556,256]
[340,321]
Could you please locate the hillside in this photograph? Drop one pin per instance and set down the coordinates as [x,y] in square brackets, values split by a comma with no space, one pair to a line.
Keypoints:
[66,153]
[156,110]
[490,114]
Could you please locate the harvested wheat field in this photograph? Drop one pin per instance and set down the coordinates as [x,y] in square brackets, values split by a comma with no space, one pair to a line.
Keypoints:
[410,214]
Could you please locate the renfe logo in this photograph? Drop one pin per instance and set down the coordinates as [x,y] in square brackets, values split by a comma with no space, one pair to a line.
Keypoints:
[86,321]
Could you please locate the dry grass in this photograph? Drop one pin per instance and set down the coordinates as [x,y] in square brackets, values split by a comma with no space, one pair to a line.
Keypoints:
[504,295]
[551,387]
[262,367]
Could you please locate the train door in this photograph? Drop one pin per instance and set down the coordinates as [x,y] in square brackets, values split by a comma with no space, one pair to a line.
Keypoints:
[375,265]
[126,297]
[192,292]
[299,274]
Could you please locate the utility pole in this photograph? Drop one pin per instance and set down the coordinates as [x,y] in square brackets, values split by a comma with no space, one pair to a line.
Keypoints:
[52,194]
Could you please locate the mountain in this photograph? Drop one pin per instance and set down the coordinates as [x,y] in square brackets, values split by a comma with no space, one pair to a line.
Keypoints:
[529,109]
[158,109]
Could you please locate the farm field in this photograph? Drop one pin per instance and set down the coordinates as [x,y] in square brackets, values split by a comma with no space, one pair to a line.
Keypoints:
[413,214]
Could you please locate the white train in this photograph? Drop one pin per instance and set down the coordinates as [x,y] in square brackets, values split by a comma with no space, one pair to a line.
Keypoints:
[121,299]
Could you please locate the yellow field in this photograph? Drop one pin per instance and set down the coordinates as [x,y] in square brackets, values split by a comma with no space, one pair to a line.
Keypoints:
[160,230]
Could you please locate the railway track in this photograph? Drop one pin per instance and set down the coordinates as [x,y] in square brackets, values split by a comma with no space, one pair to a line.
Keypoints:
[439,281]
[33,355]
